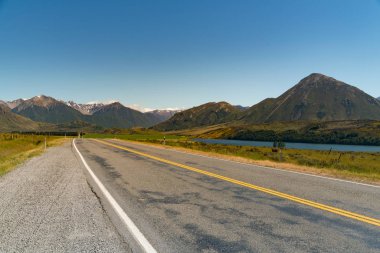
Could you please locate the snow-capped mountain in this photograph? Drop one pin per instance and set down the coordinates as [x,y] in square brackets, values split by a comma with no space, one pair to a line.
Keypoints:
[100,113]
[165,114]
[87,109]
[92,107]
[3,103]
[14,103]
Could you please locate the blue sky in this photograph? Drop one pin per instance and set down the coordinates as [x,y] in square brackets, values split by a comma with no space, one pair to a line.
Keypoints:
[182,53]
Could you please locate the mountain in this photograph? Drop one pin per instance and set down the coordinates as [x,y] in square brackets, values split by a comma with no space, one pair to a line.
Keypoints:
[203,115]
[47,109]
[241,108]
[316,98]
[10,121]
[163,115]
[14,103]
[378,98]
[3,103]
[86,109]
[116,115]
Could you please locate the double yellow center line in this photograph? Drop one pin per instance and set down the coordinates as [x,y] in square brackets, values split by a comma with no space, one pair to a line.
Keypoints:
[306,202]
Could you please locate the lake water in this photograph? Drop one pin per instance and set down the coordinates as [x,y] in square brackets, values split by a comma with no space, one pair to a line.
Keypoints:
[336,147]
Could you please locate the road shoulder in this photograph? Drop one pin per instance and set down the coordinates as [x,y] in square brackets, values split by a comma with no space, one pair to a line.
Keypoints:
[47,206]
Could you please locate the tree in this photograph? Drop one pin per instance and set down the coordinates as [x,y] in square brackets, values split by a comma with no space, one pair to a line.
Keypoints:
[281,145]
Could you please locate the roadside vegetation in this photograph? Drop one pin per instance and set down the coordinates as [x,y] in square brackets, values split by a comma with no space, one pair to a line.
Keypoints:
[136,134]
[355,132]
[359,166]
[17,148]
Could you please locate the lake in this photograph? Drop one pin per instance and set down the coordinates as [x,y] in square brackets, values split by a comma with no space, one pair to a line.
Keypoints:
[310,146]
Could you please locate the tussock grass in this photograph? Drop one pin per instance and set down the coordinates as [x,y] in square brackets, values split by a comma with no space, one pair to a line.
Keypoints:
[17,148]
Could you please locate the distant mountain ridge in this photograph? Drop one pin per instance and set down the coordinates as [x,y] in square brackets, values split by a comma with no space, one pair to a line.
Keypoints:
[110,115]
[10,121]
[117,115]
[86,109]
[14,103]
[163,115]
[47,109]
[203,115]
[315,98]
[93,107]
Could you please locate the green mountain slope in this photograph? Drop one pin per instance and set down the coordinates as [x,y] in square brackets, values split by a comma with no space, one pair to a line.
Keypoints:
[203,115]
[47,109]
[316,97]
[50,110]
[118,116]
[10,121]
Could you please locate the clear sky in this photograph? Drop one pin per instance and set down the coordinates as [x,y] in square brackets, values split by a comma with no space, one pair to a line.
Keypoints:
[181,53]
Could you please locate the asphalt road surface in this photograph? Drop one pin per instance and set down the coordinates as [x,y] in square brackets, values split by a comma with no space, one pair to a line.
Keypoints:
[189,203]
[46,205]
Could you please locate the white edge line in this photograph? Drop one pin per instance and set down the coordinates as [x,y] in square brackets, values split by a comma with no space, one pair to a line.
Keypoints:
[264,167]
[137,235]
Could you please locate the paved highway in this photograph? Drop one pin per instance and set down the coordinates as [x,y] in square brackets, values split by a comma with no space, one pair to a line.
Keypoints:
[188,203]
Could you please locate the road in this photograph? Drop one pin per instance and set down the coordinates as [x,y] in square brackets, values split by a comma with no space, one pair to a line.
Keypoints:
[188,203]
[46,205]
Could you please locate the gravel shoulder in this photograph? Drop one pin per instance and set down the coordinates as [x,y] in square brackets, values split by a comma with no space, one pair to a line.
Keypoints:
[46,205]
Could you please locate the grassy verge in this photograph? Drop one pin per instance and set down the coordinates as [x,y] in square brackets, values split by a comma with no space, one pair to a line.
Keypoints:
[137,136]
[17,148]
[347,165]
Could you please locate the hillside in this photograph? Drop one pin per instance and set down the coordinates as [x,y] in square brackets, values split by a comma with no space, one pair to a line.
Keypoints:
[316,97]
[162,115]
[118,116]
[47,109]
[86,109]
[203,115]
[10,121]
[356,132]
[14,103]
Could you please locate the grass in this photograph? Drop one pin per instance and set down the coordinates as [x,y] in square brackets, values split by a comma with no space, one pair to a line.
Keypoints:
[136,136]
[349,165]
[356,132]
[17,148]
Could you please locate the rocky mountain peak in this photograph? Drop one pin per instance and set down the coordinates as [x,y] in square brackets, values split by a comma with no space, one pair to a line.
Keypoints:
[316,80]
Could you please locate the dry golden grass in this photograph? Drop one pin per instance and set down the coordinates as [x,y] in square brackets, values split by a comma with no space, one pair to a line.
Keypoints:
[16,149]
